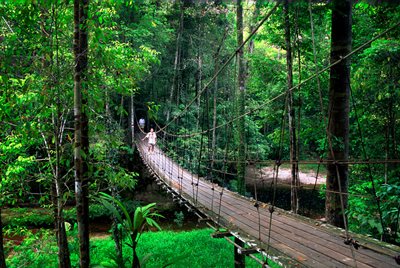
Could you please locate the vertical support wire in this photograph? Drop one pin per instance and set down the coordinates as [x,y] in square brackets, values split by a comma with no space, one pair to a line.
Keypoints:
[276,169]
[200,156]
[323,116]
[330,144]
[365,155]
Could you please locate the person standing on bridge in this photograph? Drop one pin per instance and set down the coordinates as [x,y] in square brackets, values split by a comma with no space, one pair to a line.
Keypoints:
[142,122]
[152,137]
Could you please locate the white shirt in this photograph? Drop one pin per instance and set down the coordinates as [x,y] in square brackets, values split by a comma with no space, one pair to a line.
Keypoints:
[152,137]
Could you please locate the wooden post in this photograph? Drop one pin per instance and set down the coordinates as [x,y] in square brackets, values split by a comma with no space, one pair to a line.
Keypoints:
[239,258]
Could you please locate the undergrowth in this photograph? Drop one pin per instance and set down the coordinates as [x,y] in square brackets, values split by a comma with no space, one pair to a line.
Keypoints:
[43,217]
[176,249]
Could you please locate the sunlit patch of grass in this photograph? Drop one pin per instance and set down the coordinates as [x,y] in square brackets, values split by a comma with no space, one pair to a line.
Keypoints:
[178,249]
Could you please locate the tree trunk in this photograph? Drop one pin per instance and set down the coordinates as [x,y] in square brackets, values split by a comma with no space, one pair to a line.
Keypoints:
[198,85]
[253,24]
[338,126]
[2,254]
[291,113]
[81,146]
[215,97]
[241,166]
[62,240]
[64,260]
[133,123]
[176,63]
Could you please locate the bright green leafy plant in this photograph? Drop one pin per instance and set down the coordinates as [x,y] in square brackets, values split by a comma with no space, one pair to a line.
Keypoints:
[133,226]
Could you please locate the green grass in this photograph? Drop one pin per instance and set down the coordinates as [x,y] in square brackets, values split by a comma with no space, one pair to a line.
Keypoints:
[182,249]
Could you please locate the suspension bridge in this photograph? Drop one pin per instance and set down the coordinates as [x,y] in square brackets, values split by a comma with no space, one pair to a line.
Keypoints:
[256,229]
[261,231]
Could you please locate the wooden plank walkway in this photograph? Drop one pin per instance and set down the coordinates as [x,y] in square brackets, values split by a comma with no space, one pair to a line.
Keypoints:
[290,240]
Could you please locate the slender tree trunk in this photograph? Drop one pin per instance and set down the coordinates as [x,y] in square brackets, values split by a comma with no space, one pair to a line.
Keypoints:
[64,260]
[241,166]
[198,84]
[291,113]
[81,147]
[214,122]
[58,190]
[57,193]
[392,126]
[133,122]
[253,24]
[386,152]
[62,240]
[338,127]
[215,96]
[115,232]
[176,62]
[2,253]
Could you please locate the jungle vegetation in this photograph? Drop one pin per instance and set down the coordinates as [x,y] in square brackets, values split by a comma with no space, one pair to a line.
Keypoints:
[75,75]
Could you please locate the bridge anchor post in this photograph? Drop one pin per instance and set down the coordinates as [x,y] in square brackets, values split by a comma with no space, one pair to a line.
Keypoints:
[239,258]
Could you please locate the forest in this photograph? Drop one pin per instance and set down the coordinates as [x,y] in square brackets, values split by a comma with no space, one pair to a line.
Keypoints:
[231,88]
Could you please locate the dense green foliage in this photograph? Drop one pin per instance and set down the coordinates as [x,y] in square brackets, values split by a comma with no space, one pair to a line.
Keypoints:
[165,56]
[374,101]
[162,248]
[43,217]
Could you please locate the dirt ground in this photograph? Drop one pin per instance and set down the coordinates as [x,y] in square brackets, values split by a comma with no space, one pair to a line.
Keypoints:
[266,175]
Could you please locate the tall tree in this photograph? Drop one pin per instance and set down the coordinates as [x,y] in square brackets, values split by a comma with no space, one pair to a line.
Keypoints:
[81,147]
[2,255]
[338,127]
[215,94]
[291,113]
[241,166]
[59,121]
[177,59]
